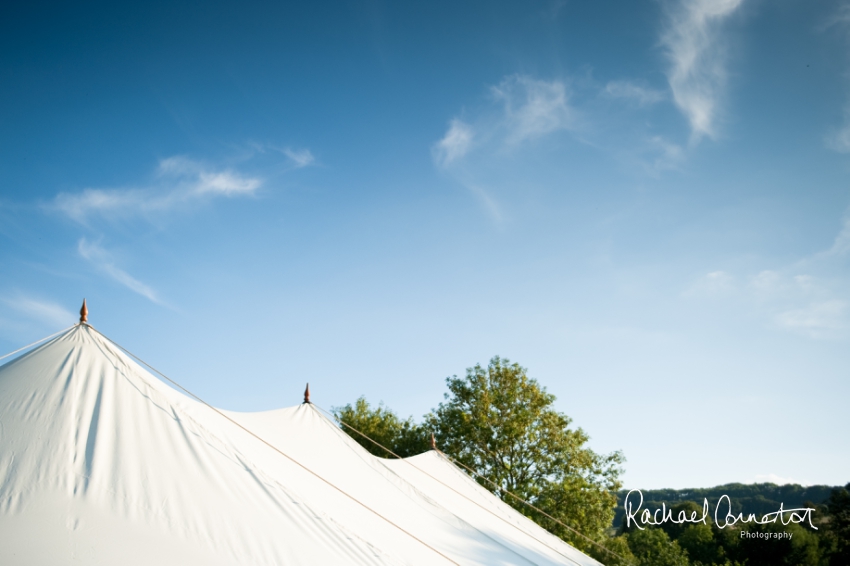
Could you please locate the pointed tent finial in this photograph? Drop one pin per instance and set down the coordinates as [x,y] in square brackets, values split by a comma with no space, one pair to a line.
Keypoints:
[307,394]
[433,442]
[84,312]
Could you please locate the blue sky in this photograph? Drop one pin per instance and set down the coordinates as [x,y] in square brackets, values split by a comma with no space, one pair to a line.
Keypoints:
[645,203]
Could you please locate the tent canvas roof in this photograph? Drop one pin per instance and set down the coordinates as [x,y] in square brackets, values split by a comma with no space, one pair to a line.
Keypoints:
[102,463]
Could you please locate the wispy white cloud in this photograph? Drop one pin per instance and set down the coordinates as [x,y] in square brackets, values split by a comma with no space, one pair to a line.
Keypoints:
[841,244]
[693,41]
[196,179]
[805,297]
[665,154]
[533,108]
[225,183]
[525,109]
[41,310]
[179,180]
[486,200]
[641,95]
[767,284]
[529,109]
[299,157]
[839,138]
[712,284]
[841,16]
[79,206]
[179,166]
[454,145]
[816,319]
[800,303]
[103,261]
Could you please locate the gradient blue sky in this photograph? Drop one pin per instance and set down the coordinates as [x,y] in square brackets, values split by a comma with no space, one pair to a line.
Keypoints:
[645,203]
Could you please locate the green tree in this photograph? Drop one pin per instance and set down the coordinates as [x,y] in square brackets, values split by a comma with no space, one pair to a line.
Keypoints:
[404,437]
[802,549]
[837,535]
[652,547]
[615,551]
[501,423]
[701,545]
[698,540]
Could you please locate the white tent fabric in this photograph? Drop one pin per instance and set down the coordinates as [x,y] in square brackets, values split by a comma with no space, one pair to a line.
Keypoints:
[101,463]
[436,477]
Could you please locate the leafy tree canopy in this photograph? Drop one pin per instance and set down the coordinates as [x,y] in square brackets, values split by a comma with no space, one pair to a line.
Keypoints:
[502,424]
[838,530]
[404,437]
[652,547]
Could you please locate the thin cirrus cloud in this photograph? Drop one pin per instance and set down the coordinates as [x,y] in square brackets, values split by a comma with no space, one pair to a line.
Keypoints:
[804,298]
[199,180]
[818,319]
[839,138]
[528,109]
[634,92]
[841,245]
[693,41]
[666,155]
[103,261]
[41,310]
[533,108]
[299,157]
[525,109]
[712,284]
[178,181]
[802,303]
[455,144]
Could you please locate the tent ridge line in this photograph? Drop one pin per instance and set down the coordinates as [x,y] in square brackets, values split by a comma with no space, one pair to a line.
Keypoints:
[440,452]
[276,449]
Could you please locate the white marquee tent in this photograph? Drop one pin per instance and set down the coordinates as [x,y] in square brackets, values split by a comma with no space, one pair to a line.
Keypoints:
[101,463]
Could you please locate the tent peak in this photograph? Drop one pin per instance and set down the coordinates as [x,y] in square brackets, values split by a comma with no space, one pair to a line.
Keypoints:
[307,394]
[84,313]
[433,442]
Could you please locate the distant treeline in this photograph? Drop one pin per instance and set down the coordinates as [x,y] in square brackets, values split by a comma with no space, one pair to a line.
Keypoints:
[759,498]
[819,536]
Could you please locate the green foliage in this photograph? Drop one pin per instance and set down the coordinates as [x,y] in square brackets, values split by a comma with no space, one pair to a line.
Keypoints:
[837,535]
[801,549]
[501,423]
[652,547]
[404,437]
[675,530]
[702,546]
[620,554]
